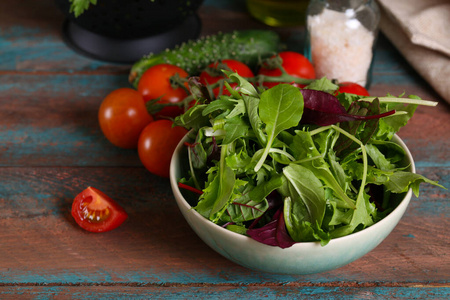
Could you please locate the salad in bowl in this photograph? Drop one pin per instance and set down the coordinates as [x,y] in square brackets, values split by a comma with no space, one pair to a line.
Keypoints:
[287,165]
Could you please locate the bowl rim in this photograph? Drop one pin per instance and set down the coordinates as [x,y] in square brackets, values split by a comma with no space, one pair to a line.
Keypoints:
[298,245]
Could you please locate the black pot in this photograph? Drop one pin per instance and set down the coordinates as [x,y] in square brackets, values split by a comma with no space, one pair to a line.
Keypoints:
[125,30]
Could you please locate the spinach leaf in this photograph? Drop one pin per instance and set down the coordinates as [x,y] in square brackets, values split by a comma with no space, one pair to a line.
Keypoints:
[244,209]
[308,189]
[262,190]
[280,108]
[299,229]
[251,105]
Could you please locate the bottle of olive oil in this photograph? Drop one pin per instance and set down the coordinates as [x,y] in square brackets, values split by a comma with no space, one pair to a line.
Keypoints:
[279,13]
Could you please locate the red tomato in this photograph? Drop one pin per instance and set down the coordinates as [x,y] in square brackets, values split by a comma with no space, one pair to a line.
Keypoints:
[234,65]
[155,83]
[294,64]
[352,88]
[96,212]
[122,116]
[156,145]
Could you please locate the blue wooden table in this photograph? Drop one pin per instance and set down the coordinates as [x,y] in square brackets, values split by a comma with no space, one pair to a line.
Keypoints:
[51,148]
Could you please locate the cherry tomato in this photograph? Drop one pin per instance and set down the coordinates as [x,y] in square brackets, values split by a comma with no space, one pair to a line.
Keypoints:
[294,64]
[234,65]
[122,116]
[156,145]
[155,83]
[94,211]
[352,88]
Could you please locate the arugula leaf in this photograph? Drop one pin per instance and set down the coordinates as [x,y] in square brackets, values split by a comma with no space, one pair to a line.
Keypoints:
[400,182]
[238,109]
[226,183]
[361,217]
[323,84]
[389,126]
[245,87]
[303,147]
[210,194]
[378,158]
[218,105]
[280,108]
[193,118]
[336,216]
[235,128]
[239,161]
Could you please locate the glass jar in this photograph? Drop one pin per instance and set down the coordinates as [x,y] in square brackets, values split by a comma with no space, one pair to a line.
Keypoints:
[341,36]
[279,13]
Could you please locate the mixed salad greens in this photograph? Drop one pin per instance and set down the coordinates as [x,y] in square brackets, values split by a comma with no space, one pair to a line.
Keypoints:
[287,165]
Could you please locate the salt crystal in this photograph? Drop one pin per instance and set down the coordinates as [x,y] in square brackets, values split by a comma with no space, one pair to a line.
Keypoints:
[341,47]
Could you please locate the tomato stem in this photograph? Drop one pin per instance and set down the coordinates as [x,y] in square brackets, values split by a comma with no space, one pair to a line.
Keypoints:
[177,81]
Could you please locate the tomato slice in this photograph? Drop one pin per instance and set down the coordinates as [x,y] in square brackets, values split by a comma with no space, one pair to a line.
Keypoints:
[94,211]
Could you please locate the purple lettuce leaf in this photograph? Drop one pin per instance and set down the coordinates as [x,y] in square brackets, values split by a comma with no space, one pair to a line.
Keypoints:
[273,233]
[323,109]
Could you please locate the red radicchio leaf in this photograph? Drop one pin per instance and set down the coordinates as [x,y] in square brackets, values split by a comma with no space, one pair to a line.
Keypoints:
[323,109]
[273,233]
[344,145]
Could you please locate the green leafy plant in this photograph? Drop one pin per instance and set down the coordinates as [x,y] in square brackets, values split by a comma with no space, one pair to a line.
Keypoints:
[78,7]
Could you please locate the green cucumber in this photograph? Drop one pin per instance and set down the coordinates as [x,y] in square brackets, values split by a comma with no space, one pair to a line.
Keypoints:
[247,46]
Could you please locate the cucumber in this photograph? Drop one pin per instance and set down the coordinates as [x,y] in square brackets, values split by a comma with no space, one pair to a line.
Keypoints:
[247,46]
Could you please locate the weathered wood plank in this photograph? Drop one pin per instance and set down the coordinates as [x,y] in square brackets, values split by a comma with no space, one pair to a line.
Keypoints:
[227,292]
[51,148]
[31,40]
[41,244]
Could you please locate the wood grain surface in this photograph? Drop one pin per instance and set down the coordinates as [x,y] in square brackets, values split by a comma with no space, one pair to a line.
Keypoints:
[51,148]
